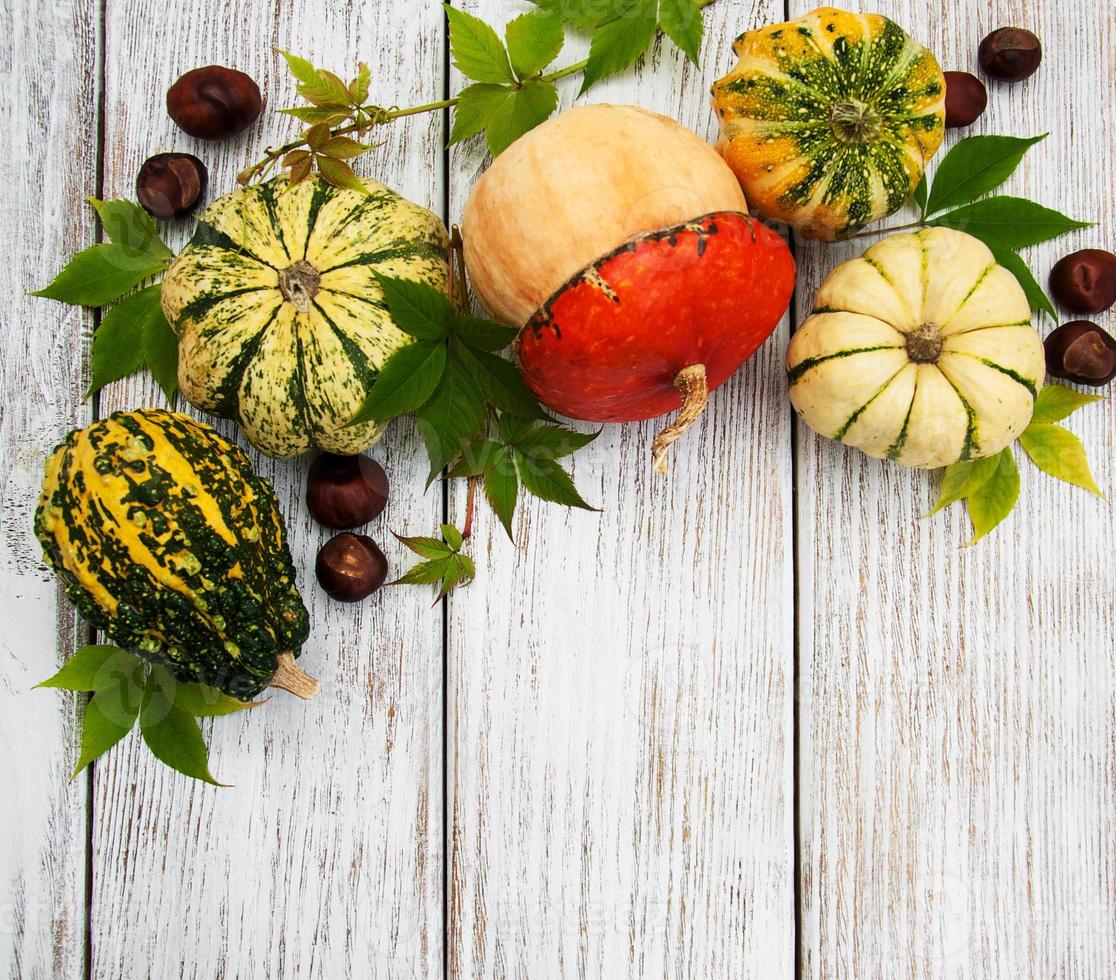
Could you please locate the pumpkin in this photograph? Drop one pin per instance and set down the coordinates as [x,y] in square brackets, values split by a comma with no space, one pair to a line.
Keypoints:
[829,120]
[619,242]
[166,540]
[281,321]
[920,351]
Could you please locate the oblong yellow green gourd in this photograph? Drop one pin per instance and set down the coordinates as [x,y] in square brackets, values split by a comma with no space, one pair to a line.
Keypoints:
[282,324]
[920,351]
[167,541]
[828,121]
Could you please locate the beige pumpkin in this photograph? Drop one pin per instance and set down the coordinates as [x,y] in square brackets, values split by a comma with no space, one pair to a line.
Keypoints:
[920,351]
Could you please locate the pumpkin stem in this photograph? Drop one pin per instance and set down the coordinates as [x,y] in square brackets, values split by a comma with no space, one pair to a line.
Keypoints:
[924,344]
[299,283]
[693,385]
[291,678]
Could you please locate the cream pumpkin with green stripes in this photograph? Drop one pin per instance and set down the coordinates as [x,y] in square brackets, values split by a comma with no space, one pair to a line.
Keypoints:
[281,321]
[828,121]
[921,351]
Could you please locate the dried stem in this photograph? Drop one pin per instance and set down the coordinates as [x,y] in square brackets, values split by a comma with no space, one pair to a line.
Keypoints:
[693,385]
[470,502]
[289,677]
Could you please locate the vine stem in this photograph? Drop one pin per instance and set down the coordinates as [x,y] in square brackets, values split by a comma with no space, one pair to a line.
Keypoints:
[470,502]
[921,223]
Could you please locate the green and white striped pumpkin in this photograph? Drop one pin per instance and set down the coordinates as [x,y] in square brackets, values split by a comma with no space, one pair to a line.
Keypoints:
[282,324]
[921,351]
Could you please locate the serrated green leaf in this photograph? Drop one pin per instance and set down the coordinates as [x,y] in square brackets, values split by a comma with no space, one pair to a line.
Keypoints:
[325,88]
[514,427]
[475,107]
[974,166]
[501,488]
[547,480]
[340,174]
[418,309]
[469,566]
[424,573]
[344,148]
[452,536]
[93,668]
[452,577]
[481,334]
[553,442]
[521,112]
[359,86]
[585,14]
[329,115]
[534,41]
[425,547]
[172,734]
[618,44]
[995,498]
[476,458]
[1008,222]
[160,351]
[500,383]
[1058,453]
[1056,402]
[406,381]
[118,341]
[109,716]
[681,21]
[129,225]
[920,194]
[101,274]
[963,478]
[302,69]
[453,417]
[199,700]
[478,53]
[1014,264]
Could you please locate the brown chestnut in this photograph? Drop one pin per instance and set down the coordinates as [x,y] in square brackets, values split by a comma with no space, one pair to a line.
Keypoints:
[1081,352]
[344,492]
[965,99]
[214,103]
[1085,281]
[170,185]
[351,567]
[1010,54]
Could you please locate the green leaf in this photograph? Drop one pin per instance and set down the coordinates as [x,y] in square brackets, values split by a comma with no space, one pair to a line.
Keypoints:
[344,148]
[329,115]
[962,479]
[975,166]
[129,225]
[1008,222]
[514,427]
[406,381]
[425,547]
[340,174]
[919,196]
[359,86]
[418,309]
[100,274]
[585,14]
[521,112]
[1056,402]
[617,44]
[172,734]
[324,88]
[481,334]
[553,442]
[118,341]
[475,107]
[453,417]
[425,573]
[501,488]
[500,383]
[477,458]
[534,41]
[456,574]
[1058,453]
[681,21]
[160,351]
[93,668]
[453,537]
[302,69]
[1014,264]
[109,716]
[548,481]
[994,499]
[478,53]
[203,701]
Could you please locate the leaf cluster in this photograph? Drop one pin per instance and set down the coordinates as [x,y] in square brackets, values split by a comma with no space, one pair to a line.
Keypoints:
[990,486]
[134,332]
[127,689]
[444,565]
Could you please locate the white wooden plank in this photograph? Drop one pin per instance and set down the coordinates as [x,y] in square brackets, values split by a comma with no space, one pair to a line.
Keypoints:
[48,116]
[957,705]
[325,859]
[619,687]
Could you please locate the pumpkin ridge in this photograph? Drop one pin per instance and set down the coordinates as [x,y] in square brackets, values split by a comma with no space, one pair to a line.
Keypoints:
[971,445]
[796,373]
[866,316]
[895,450]
[851,420]
[902,301]
[1014,375]
[412,250]
[227,388]
[203,304]
[990,326]
[267,196]
[207,234]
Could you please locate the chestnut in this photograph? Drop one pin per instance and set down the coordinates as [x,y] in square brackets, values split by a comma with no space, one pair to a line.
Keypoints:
[344,492]
[1010,54]
[170,185]
[1081,352]
[351,567]
[965,98]
[1085,281]
[214,103]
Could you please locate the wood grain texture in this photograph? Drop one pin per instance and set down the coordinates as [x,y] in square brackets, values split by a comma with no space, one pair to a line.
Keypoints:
[957,775]
[49,118]
[619,687]
[325,859]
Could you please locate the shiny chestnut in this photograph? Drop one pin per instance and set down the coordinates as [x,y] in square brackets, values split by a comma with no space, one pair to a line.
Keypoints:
[214,103]
[1010,54]
[965,98]
[1085,281]
[170,185]
[1081,352]
[344,492]
[351,567]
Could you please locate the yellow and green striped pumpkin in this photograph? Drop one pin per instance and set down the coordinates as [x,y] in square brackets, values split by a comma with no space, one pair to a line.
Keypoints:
[166,540]
[828,121]
[282,324]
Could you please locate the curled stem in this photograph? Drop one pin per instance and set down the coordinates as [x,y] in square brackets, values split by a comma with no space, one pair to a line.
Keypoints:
[693,386]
